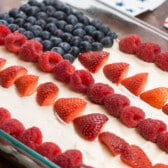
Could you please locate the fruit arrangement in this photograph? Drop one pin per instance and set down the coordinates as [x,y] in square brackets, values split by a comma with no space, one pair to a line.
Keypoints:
[71,110]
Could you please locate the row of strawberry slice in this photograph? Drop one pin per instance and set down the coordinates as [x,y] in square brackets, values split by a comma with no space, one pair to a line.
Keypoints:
[66,75]
[33,138]
[148,52]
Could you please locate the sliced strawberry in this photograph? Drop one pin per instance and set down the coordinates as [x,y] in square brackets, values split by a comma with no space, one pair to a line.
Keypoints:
[26,84]
[89,126]
[10,74]
[47,93]
[165,108]
[4,31]
[69,108]
[160,165]
[94,60]
[136,83]
[116,72]
[135,157]
[114,143]
[156,97]
[2,62]
[69,159]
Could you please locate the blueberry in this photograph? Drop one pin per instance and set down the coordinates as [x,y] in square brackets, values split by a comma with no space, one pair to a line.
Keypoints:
[79,32]
[49,2]
[38,39]
[58,33]
[3,22]
[85,46]
[65,46]
[29,34]
[89,29]
[104,28]
[88,38]
[45,35]
[60,15]
[55,40]
[47,45]
[67,9]
[97,35]
[14,12]
[97,23]
[33,10]
[41,15]
[10,20]
[2,16]
[50,10]
[69,57]
[25,8]
[66,37]
[13,27]
[27,25]
[72,19]
[41,22]
[58,4]
[78,25]
[58,50]
[36,30]
[21,30]
[31,19]
[107,42]
[21,14]
[51,20]
[19,21]
[112,35]
[97,46]
[51,27]
[61,24]
[33,2]
[68,28]
[84,19]
[75,41]
[74,51]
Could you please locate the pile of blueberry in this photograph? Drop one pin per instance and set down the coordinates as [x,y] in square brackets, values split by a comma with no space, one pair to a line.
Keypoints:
[59,27]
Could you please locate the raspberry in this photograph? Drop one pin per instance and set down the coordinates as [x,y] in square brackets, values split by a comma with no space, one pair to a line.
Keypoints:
[14,41]
[129,43]
[151,128]
[48,60]
[31,50]
[63,70]
[114,103]
[148,51]
[4,31]
[80,80]
[69,158]
[131,116]
[49,150]
[32,137]
[98,91]
[4,115]
[161,60]
[161,141]
[13,127]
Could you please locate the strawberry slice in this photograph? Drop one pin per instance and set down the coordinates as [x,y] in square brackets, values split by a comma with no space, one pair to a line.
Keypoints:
[135,157]
[47,93]
[69,108]
[136,83]
[94,60]
[160,165]
[89,126]
[114,143]
[116,72]
[156,97]
[26,84]
[2,62]
[10,74]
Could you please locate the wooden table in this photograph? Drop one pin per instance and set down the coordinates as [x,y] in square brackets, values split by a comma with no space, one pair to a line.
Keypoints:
[155,18]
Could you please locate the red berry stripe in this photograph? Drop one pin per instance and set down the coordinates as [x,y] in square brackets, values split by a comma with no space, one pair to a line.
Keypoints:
[71,69]
[148,52]
[33,138]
